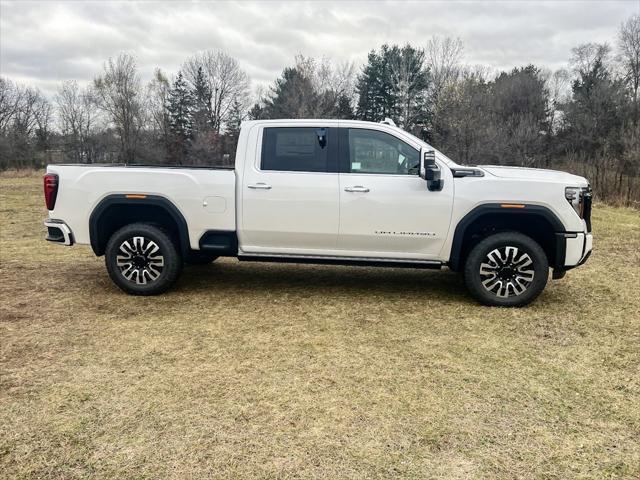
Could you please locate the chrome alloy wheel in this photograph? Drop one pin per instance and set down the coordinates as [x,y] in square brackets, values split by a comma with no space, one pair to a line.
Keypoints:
[140,260]
[507,272]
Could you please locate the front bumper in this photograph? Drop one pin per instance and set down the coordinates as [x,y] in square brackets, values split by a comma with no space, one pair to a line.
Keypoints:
[58,232]
[573,249]
[577,249]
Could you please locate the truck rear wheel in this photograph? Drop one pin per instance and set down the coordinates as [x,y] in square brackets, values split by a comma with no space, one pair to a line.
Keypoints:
[142,259]
[506,269]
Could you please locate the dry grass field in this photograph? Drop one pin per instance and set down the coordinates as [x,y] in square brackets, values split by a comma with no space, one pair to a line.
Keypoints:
[284,371]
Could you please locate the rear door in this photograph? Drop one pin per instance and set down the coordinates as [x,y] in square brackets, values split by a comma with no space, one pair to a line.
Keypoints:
[386,209]
[290,199]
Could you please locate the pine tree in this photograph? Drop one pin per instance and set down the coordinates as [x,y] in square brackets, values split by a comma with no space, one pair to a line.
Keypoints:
[408,85]
[394,83]
[594,117]
[236,116]
[370,87]
[180,107]
[202,114]
[258,112]
[292,96]
[343,108]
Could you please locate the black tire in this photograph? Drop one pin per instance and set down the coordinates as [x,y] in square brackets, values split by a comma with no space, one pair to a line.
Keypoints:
[196,257]
[507,269]
[134,263]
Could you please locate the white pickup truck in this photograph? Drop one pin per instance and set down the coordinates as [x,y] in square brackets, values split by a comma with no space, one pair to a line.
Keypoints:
[328,191]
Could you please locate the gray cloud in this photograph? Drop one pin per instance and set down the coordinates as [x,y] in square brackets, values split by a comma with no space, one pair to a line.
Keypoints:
[43,43]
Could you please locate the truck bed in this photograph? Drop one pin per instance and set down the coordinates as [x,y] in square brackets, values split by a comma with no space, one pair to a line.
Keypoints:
[205,196]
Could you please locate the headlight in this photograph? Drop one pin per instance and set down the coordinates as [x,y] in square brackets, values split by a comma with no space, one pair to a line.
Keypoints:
[575,196]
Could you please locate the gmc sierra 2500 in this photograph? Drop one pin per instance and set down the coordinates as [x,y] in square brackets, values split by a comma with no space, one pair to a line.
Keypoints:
[328,191]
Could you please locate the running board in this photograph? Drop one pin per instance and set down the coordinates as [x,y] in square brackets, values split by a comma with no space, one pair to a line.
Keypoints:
[354,261]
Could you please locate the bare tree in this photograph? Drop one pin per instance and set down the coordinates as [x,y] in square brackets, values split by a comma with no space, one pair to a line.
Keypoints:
[326,77]
[343,80]
[443,58]
[25,125]
[333,85]
[585,56]
[78,119]
[44,121]
[557,84]
[629,54]
[25,118]
[118,94]
[156,105]
[10,100]
[226,81]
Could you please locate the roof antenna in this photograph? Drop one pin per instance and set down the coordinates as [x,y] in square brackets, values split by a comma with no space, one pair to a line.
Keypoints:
[388,121]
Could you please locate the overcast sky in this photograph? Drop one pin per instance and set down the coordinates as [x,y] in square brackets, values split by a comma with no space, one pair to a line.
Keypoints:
[43,43]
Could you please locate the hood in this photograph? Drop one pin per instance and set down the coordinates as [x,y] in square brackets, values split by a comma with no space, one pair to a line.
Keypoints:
[538,174]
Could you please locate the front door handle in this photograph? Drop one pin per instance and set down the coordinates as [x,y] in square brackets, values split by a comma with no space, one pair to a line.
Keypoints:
[357,188]
[259,186]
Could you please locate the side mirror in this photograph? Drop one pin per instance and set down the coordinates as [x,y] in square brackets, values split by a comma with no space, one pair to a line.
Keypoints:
[430,171]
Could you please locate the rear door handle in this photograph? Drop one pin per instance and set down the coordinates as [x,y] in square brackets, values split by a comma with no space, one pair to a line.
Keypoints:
[259,186]
[357,188]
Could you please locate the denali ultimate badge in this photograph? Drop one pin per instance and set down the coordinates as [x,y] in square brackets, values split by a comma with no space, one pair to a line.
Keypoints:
[405,234]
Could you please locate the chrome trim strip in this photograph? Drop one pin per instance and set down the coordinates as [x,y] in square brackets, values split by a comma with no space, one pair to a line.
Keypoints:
[340,258]
[66,231]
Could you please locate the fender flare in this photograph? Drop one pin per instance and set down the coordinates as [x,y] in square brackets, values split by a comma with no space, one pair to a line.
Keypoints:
[136,199]
[455,257]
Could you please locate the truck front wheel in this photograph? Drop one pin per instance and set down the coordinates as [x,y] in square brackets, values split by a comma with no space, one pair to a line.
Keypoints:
[142,259]
[507,269]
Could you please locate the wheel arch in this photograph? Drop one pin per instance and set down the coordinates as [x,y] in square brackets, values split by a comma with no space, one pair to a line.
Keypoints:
[117,210]
[536,221]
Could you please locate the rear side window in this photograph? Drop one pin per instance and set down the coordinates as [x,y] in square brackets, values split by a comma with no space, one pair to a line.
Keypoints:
[295,149]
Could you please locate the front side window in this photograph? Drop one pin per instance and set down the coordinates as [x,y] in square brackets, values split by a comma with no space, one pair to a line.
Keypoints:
[295,149]
[372,151]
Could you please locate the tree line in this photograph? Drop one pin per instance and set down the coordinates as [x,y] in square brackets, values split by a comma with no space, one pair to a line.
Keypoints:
[583,118]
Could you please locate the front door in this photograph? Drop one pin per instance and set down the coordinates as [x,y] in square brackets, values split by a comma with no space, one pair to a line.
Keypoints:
[386,209]
[290,193]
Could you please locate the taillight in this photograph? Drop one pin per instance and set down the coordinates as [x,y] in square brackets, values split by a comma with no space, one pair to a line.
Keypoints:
[50,190]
